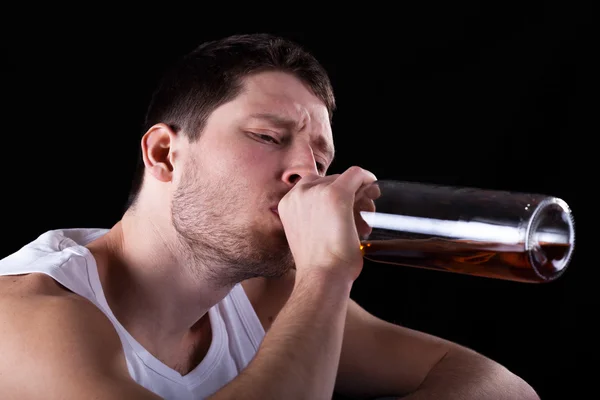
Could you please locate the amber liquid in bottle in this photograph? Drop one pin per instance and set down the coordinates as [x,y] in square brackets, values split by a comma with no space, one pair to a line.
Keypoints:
[492,260]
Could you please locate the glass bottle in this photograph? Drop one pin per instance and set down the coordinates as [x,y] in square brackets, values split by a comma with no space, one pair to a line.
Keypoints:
[488,233]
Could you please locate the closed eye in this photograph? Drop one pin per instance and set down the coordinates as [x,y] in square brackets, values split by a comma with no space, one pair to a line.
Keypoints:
[265,138]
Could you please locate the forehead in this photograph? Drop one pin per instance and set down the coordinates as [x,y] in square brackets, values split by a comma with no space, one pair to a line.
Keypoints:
[283,95]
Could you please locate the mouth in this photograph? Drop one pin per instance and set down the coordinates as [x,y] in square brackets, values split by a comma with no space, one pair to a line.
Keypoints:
[275,211]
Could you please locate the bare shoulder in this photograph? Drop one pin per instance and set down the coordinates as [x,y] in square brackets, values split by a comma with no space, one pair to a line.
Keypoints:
[31,284]
[52,337]
[36,301]
[37,313]
[45,298]
[269,295]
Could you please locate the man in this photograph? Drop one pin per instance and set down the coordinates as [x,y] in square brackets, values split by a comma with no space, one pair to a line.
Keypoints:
[229,274]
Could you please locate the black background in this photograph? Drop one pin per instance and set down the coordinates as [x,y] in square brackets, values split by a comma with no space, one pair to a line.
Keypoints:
[486,96]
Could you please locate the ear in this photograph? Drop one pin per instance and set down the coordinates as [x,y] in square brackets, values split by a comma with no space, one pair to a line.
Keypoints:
[157,151]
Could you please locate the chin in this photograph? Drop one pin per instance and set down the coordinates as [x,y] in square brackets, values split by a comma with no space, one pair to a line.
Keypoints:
[275,258]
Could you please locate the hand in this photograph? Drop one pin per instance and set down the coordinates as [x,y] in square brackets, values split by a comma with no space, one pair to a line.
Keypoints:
[365,202]
[321,220]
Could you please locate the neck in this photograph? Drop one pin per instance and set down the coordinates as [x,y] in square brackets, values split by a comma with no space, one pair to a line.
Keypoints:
[159,295]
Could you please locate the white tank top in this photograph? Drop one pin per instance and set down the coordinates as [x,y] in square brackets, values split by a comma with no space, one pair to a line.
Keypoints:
[237,331]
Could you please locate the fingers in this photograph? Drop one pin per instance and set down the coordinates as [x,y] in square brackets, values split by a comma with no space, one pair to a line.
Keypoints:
[353,179]
[362,228]
[357,182]
[373,191]
[306,180]
[365,202]
[348,184]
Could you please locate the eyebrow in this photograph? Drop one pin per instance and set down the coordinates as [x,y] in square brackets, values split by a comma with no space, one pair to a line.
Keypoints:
[288,124]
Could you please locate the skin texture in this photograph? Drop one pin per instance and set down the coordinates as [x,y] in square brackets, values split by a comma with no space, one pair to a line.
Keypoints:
[248,202]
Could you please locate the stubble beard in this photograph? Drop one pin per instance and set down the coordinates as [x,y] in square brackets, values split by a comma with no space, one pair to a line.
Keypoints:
[217,245]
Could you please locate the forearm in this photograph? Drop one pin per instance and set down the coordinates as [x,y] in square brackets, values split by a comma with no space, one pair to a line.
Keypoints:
[465,375]
[299,356]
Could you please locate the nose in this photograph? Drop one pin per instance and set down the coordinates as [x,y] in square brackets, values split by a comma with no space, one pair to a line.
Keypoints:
[301,162]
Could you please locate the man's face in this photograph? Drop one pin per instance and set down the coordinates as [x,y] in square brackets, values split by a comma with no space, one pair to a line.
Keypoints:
[250,154]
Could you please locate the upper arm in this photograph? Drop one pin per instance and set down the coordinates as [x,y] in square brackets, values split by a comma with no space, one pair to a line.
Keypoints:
[381,358]
[60,346]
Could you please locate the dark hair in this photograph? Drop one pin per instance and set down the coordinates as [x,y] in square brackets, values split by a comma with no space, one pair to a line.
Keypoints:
[211,75]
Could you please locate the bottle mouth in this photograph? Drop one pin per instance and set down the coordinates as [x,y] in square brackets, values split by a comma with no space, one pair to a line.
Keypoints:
[550,238]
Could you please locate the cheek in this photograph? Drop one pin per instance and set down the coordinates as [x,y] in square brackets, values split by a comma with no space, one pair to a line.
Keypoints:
[250,159]
[238,160]
[221,159]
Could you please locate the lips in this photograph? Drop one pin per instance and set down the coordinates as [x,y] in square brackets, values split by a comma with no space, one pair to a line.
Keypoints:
[275,211]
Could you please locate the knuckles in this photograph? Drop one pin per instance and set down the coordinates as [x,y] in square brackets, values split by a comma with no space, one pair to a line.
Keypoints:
[320,190]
